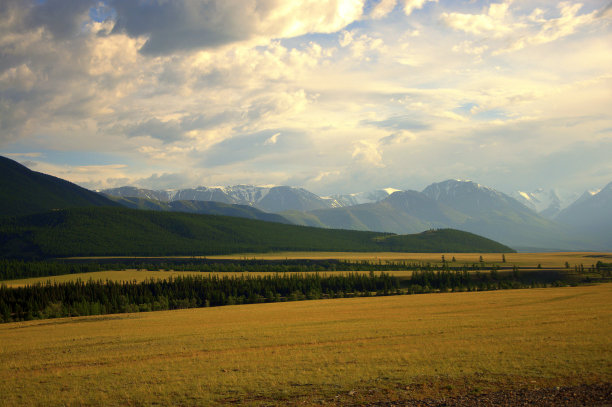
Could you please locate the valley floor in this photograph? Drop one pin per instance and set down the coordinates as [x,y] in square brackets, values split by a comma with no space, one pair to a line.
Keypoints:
[381,350]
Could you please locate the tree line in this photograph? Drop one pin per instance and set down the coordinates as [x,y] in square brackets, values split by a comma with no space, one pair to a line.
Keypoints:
[20,269]
[79,298]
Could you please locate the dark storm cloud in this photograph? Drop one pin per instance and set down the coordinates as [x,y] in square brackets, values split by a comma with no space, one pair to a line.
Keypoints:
[186,25]
[60,17]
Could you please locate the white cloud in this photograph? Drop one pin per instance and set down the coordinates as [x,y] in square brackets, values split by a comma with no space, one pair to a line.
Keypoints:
[367,153]
[275,109]
[411,5]
[383,8]
[493,22]
[272,139]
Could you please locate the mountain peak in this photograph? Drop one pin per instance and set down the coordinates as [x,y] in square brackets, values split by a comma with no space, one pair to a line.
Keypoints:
[450,188]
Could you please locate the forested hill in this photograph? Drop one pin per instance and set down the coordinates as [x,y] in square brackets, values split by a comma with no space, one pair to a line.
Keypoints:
[26,192]
[107,231]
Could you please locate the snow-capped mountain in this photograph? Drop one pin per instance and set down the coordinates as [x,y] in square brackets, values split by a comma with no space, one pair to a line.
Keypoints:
[134,192]
[471,198]
[463,205]
[267,198]
[459,204]
[359,198]
[546,202]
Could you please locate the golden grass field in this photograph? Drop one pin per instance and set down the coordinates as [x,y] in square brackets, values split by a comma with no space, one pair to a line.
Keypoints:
[310,352]
[553,259]
[525,260]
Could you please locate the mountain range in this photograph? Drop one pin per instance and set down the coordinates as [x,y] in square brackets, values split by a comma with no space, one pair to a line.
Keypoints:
[43,217]
[459,204]
[456,204]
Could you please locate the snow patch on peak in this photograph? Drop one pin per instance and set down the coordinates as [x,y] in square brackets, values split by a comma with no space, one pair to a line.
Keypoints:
[390,190]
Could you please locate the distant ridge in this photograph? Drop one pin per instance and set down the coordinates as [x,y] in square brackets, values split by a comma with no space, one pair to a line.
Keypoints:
[265,198]
[26,192]
[456,204]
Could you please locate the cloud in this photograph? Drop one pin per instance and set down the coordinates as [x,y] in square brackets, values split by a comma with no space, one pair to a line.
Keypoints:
[29,155]
[492,22]
[411,5]
[367,153]
[398,138]
[553,29]
[254,146]
[167,181]
[260,98]
[203,24]
[517,30]
[61,18]
[403,122]
[167,131]
[606,12]
[382,8]
[272,139]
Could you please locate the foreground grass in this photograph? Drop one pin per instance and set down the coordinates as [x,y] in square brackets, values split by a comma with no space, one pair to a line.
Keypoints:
[314,350]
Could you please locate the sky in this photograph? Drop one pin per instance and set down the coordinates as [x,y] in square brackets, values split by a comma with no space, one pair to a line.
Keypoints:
[335,96]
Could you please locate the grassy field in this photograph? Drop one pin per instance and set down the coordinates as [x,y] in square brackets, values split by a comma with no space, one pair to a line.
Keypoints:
[554,259]
[348,350]
[523,260]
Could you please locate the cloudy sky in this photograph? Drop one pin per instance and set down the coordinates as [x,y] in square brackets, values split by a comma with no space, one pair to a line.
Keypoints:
[330,95]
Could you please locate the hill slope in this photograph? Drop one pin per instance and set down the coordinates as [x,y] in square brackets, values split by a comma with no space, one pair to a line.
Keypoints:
[26,192]
[122,231]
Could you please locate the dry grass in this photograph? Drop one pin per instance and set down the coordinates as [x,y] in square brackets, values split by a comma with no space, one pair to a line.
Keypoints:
[555,259]
[285,353]
[524,260]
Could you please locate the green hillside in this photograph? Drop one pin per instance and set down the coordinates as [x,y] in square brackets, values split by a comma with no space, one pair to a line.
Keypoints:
[128,232]
[444,241]
[26,192]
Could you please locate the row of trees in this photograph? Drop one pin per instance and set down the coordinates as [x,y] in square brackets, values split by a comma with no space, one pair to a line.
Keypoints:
[78,298]
[17,269]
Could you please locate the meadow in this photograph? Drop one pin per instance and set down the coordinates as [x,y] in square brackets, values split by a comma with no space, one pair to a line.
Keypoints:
[342,351]
[526,261]
[552,259]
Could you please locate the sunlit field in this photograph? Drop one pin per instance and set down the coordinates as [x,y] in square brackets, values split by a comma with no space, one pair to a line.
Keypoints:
[523,260]
[554,259]
[342,350]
